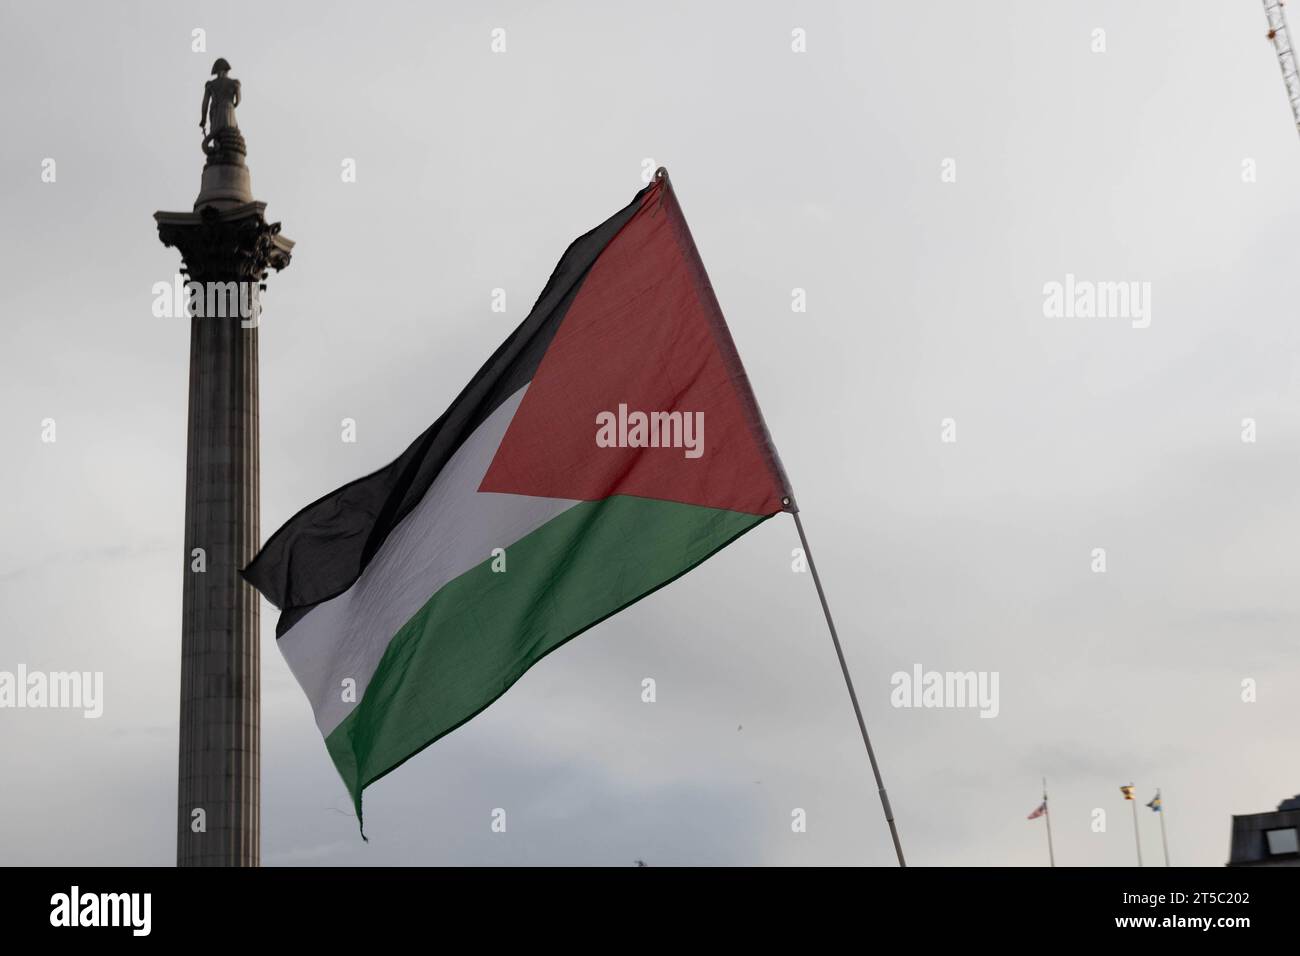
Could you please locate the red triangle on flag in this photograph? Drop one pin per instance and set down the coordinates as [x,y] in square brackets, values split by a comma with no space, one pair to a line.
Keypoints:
[644,334]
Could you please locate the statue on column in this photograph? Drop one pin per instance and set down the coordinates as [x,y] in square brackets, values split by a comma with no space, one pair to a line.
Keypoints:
[222,141]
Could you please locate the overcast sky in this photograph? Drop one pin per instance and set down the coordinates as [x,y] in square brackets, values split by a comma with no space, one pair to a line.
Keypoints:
[819,170]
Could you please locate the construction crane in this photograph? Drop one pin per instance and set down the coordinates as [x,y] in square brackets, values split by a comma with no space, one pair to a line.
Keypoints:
[1281,37]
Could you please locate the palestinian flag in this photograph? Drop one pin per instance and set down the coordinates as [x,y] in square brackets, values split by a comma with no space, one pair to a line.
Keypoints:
[610,445]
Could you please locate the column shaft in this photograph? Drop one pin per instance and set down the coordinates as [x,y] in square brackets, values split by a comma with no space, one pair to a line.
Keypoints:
[220,769]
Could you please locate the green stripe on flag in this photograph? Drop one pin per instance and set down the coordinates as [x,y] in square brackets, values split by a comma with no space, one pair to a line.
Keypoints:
[480,632]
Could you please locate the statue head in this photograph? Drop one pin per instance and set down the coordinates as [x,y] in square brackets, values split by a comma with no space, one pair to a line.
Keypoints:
[221,66]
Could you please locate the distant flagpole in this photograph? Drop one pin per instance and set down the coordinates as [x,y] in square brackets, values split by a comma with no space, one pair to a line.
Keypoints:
[844,667]
[1047,812]
[1164,838]
[1130,794]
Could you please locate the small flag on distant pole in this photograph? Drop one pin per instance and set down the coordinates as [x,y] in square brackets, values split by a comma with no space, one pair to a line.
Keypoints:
[1130,792]
[1043,812]
[1157,806]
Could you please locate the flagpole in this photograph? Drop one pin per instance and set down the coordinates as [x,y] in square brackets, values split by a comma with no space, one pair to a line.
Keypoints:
[1164,839]
[788,502]
[1136,839]
[848,681]
[1047,812]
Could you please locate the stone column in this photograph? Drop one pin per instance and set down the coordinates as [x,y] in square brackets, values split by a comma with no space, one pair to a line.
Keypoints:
[227,247]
